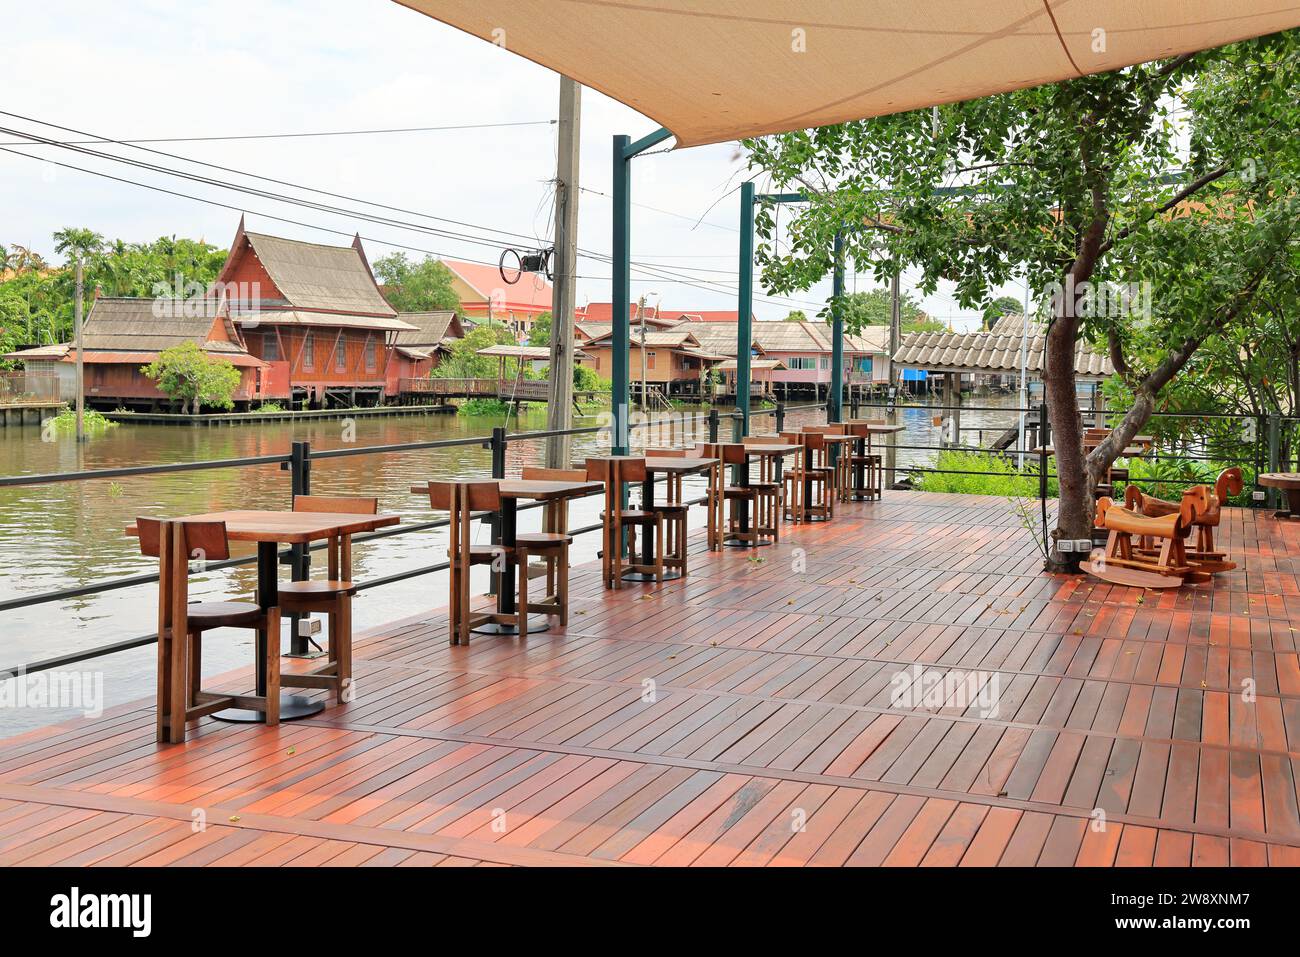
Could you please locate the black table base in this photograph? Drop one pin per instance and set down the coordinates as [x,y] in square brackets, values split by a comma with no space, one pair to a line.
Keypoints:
[292,708]
[669,575]
[742,543]
[536,623]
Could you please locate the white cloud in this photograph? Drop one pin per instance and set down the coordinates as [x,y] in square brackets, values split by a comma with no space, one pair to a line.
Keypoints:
[242,67]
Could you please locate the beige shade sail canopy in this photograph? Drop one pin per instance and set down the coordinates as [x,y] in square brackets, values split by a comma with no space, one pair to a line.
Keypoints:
[717,70]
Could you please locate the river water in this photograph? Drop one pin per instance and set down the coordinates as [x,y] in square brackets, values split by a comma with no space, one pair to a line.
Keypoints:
[65,535]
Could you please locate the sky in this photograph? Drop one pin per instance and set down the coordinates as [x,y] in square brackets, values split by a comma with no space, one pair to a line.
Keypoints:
[151,69]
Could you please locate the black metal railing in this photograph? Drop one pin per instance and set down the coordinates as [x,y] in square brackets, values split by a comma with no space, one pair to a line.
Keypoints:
[298,463]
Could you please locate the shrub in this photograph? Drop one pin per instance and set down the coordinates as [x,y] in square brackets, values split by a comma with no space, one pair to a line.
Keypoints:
[1002,479]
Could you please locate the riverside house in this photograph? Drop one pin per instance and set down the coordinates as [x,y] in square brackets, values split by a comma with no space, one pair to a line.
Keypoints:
[121,336]
[314,314]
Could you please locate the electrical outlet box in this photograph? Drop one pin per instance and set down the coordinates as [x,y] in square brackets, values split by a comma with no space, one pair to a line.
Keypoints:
[1258,495]
[1083,545]
[308,627]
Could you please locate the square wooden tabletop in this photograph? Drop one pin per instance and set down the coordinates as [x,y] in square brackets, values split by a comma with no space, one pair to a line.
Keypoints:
[290,528]
[541,490]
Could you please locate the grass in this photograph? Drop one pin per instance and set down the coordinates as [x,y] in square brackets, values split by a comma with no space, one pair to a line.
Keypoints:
[1001,478]
[492,407]
[65,423]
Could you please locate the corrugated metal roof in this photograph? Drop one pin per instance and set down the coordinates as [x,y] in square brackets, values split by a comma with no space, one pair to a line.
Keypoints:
[312,276]
[987,352]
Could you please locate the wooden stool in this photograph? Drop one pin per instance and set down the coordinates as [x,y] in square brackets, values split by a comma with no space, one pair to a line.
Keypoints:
[181,627]
[810,491]
[555,531]
[836,455]
[675,512]
[332,597]
[462,500]
[620,522]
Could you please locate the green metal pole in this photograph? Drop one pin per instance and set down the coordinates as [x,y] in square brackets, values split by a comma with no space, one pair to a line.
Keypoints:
[745,304]
[834,408]
[621,294]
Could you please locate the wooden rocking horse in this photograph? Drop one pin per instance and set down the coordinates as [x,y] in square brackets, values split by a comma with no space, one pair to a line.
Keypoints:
[1203,557]
[1168,567]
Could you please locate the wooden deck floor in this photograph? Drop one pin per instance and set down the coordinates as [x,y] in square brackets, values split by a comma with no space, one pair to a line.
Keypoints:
[744,717]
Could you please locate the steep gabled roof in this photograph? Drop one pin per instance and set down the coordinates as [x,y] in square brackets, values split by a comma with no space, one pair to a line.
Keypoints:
[532,292]
[431,328]
[312,276]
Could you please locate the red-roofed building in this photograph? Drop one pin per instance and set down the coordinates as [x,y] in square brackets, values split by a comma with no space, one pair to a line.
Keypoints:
[485,295]
[703,315]
[603,312]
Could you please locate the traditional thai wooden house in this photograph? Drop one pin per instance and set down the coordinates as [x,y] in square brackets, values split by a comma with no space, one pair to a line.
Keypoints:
[315,315]
[419,350]
[121,336]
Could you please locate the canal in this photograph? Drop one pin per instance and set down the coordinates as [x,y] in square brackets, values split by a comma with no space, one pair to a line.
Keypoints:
[72,534]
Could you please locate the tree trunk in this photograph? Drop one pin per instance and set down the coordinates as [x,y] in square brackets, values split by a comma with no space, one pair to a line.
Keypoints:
[1075,511]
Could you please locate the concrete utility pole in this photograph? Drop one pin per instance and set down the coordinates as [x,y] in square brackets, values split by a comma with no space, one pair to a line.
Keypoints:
[559,411]
[81,364]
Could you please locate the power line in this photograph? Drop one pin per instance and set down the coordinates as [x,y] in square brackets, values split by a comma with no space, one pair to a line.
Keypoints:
[282,136]
[656,272]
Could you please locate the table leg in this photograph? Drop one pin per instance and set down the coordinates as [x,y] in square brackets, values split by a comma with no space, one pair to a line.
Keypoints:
[1292,504]
[292,707]
[505,582]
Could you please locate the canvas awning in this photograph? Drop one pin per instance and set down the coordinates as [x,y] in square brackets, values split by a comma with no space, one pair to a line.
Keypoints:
[717,70]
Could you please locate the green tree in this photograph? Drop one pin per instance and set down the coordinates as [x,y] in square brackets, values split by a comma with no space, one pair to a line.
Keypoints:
[873,309]
[999,307]
[464,361]
[540,333]
[424,286]
[187,373]
[1171,181]
[797,315]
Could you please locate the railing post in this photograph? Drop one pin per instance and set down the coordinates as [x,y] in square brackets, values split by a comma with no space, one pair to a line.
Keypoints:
[1275,456]
[713,425]
[299,466]
[780,417]
[737,425]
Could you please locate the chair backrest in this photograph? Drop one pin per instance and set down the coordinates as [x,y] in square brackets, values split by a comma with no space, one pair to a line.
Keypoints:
[206,540]
[480,496]
[761,440]
[538,474]
[668,453]
[728,453]
[630,469]
[809,440]
[335,505]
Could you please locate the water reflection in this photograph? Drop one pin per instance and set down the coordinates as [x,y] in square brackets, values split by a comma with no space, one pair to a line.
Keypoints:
[72,534]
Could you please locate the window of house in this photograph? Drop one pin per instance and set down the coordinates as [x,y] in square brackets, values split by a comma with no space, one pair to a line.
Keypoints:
[308,351]
[823,363]
[649,360]
[341,355]
[372,360]
[800,362]
[270,347]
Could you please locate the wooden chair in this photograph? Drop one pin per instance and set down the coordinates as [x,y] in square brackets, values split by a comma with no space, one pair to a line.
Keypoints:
[462,500]
[621,523]
[767,515]
[552,543]
[181,626]
[331,597]
[1093,437]
[810,491]
[1204,555]
[836,456]
[675,511]
[1125,564]
[713,496]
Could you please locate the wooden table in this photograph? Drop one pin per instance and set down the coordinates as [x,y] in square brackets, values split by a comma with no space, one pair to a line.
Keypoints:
[656,465]
[270,529]
[512,490]
[1288,482]
[863,430]
[777,451]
